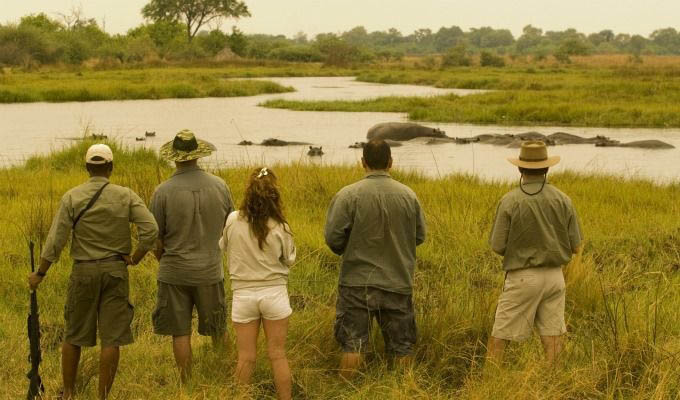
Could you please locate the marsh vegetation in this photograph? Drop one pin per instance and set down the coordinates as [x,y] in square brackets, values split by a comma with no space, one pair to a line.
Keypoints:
[623,302]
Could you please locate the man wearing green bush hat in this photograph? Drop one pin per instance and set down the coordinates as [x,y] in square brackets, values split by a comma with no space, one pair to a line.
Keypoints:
[537,231]
[191,208]
[96,216]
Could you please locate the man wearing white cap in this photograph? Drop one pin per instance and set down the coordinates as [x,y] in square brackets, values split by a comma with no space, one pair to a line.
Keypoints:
[97,216]
[536,231]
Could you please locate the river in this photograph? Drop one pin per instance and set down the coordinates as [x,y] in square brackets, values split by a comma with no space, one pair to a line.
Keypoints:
[27,129]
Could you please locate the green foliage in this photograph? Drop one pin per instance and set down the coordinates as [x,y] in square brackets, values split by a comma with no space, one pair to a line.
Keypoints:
[488,59]
[297,53]
[338,52]
[457,56]
[626,97]
[194,13]
[238,43]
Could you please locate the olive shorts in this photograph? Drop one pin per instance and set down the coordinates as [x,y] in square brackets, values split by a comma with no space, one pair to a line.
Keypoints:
[355,310]
[98,296]
[175,305]
[531,297]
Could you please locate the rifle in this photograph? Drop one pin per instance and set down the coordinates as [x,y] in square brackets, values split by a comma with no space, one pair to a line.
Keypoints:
[35,387]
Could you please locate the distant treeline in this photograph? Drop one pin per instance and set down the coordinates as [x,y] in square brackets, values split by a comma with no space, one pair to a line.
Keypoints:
[39,40]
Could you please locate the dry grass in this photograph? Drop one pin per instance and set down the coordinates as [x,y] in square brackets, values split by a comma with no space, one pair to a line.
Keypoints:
[623,299]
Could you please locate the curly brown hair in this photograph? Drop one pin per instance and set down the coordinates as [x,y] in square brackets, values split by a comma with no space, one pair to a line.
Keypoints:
[262,201]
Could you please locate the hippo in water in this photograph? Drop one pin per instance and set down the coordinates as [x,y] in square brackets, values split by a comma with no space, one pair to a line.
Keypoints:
[401,131]
[315,151]
[639,144]
[361,145]
[245,143]
[281,143]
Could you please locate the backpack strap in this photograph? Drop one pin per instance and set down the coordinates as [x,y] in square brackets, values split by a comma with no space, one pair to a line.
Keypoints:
[88,206]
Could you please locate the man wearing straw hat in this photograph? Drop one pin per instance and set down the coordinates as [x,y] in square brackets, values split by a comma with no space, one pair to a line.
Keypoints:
[96,216]
[536,231]
[190,208]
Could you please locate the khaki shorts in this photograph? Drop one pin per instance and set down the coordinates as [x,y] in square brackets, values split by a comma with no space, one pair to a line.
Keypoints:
[531,297]
[98,296]
[175,306]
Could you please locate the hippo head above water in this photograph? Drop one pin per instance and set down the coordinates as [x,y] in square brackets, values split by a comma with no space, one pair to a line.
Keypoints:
[315,151]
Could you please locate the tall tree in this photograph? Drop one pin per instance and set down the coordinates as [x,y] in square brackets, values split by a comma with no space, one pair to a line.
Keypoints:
[194,13]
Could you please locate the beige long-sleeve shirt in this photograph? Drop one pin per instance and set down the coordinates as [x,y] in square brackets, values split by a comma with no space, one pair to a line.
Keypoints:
[104,230]
[250,266]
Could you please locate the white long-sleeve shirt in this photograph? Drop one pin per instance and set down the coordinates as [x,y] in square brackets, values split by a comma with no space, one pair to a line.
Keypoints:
[250,266]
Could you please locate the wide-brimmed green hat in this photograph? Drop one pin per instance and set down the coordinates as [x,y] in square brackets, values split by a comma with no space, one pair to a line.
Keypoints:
[534,155]
[185,147]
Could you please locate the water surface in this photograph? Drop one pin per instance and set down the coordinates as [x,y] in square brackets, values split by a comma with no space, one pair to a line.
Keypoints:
[27,129]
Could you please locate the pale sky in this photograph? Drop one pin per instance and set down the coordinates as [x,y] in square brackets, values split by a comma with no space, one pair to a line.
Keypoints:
[315,16]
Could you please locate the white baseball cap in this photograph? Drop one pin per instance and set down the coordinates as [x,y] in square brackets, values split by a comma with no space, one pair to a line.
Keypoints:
[99,154]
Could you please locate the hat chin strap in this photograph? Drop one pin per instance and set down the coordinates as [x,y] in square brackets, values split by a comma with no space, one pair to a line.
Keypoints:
[521,178]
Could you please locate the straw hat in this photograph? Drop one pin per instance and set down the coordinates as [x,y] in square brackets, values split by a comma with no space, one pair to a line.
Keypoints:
[185,147]
[534,155]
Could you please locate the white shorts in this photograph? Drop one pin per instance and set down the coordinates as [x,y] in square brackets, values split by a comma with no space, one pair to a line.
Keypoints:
[270,302]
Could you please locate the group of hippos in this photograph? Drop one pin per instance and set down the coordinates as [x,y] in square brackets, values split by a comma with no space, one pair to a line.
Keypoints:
[394,133]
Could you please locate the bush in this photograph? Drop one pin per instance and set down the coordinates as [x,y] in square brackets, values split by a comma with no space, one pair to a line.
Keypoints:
[297,53]
[488,59]
[25,45]
[457,57]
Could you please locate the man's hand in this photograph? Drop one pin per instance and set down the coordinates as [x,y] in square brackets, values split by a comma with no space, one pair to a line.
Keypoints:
[128,260]
[34,280]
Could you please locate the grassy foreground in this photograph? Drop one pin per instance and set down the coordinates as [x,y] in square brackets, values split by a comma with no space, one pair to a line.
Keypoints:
[581,96]
[623,301]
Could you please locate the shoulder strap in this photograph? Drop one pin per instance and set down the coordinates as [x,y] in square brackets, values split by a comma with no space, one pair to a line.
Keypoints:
[89,205]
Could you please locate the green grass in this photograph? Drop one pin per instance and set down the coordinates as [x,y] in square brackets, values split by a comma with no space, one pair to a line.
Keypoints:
[576,96]
[623,302]
[156,83]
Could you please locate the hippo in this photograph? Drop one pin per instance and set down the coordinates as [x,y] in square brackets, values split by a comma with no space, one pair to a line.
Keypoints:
[567,138]
[315,151]
[402,131]
[281,143]
[245,143]
[639,144]
[150,134]
[140,139]
[361,145]
[98,136]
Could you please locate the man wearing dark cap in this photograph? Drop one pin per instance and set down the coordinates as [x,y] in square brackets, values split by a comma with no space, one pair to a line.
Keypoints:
[191,208]
[375,225]
[536,230]
[97,216]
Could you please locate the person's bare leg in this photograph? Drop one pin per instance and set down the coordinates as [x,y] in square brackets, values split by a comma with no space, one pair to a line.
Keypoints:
[349,364]
[276,332]
[108,365]
[553,347]
[181,347]
[246,343]
[70,356]
[495,350]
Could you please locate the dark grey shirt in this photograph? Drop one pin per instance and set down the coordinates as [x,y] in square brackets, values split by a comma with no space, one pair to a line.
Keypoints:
[191,208]
[376,224]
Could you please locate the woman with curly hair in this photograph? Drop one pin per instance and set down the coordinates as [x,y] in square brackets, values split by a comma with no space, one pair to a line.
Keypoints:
[260,250]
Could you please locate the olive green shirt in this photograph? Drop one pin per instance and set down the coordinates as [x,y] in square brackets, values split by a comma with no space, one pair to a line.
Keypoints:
[104,230]
[191,208]
[376,224]
[535,231]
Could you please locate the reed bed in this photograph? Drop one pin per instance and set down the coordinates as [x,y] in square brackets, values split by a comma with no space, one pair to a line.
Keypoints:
[623,301]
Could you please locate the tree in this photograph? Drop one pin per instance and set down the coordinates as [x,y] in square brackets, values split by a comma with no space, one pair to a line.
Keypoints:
[194,13]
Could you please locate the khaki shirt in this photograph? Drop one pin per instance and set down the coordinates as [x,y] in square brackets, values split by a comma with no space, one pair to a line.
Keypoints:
[104,230]
[376,224]
[535,231]
[191,208]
